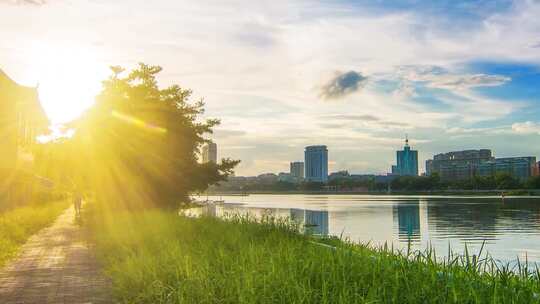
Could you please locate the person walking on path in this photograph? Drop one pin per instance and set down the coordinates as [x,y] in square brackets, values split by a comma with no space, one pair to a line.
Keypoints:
[77,203]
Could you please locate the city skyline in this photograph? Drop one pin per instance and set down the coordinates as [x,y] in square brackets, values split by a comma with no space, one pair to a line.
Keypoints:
[408,159]
[454,75]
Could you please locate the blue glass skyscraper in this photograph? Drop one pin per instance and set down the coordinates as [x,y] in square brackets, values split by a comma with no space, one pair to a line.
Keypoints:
[407,161]
[316,164]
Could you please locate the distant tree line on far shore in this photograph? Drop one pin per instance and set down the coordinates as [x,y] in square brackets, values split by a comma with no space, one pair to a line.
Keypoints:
[501,181]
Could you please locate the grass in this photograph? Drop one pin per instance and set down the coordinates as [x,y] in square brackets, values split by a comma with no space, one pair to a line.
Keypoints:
[18,224]
[155,257]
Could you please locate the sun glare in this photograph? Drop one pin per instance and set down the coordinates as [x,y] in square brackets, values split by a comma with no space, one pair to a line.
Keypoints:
[68,78]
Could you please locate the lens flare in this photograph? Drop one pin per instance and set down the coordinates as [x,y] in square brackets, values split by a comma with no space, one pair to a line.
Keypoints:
[138,122]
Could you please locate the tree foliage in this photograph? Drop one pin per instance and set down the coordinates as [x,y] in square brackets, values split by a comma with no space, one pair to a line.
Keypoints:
[138,144]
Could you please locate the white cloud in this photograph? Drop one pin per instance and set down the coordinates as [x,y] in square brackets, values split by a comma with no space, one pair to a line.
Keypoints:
[405,90]
[473,108]
[468,106]
[24,2]
[437,77]
[462,82]
[527,127]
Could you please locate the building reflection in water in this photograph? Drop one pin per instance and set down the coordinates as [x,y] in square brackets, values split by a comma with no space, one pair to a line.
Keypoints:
[408,219]
[313,221]
[508,229]
[464,220]
[483,219]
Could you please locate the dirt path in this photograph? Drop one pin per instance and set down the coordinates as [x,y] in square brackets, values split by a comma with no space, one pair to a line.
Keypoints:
[54,266]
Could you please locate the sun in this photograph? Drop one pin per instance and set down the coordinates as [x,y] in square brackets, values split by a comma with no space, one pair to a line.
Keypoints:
[69,77]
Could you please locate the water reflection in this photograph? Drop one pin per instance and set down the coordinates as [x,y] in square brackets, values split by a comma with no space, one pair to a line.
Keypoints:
[466,220]
[510,229]
[408,218]
[313,222]
[483,220]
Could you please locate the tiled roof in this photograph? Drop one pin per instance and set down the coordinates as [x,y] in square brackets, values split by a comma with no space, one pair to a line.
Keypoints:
[29,95]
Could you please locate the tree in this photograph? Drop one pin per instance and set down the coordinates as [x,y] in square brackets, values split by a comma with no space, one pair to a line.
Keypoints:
[506,181]
[137,146]
[483,182]
[533,182]
[311,186]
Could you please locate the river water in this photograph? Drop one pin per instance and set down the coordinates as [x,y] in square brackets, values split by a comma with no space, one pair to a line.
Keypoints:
[510,228]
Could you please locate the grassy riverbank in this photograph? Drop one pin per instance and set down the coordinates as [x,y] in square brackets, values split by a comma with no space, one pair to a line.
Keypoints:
[154,257]
[18,224]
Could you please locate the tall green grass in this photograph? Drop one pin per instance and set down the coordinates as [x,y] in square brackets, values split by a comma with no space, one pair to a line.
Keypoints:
[154,257]
[18,224]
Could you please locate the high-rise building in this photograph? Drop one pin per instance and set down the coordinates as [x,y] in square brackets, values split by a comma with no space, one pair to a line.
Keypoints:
[461,165]
[457,164]
[518,167]
[407,161]
[209,153]
[297,170]
[316,163]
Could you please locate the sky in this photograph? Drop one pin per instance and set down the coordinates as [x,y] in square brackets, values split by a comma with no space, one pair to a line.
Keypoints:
[356,76]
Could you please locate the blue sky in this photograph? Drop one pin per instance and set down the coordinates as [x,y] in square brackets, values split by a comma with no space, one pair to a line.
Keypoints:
[354,75]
